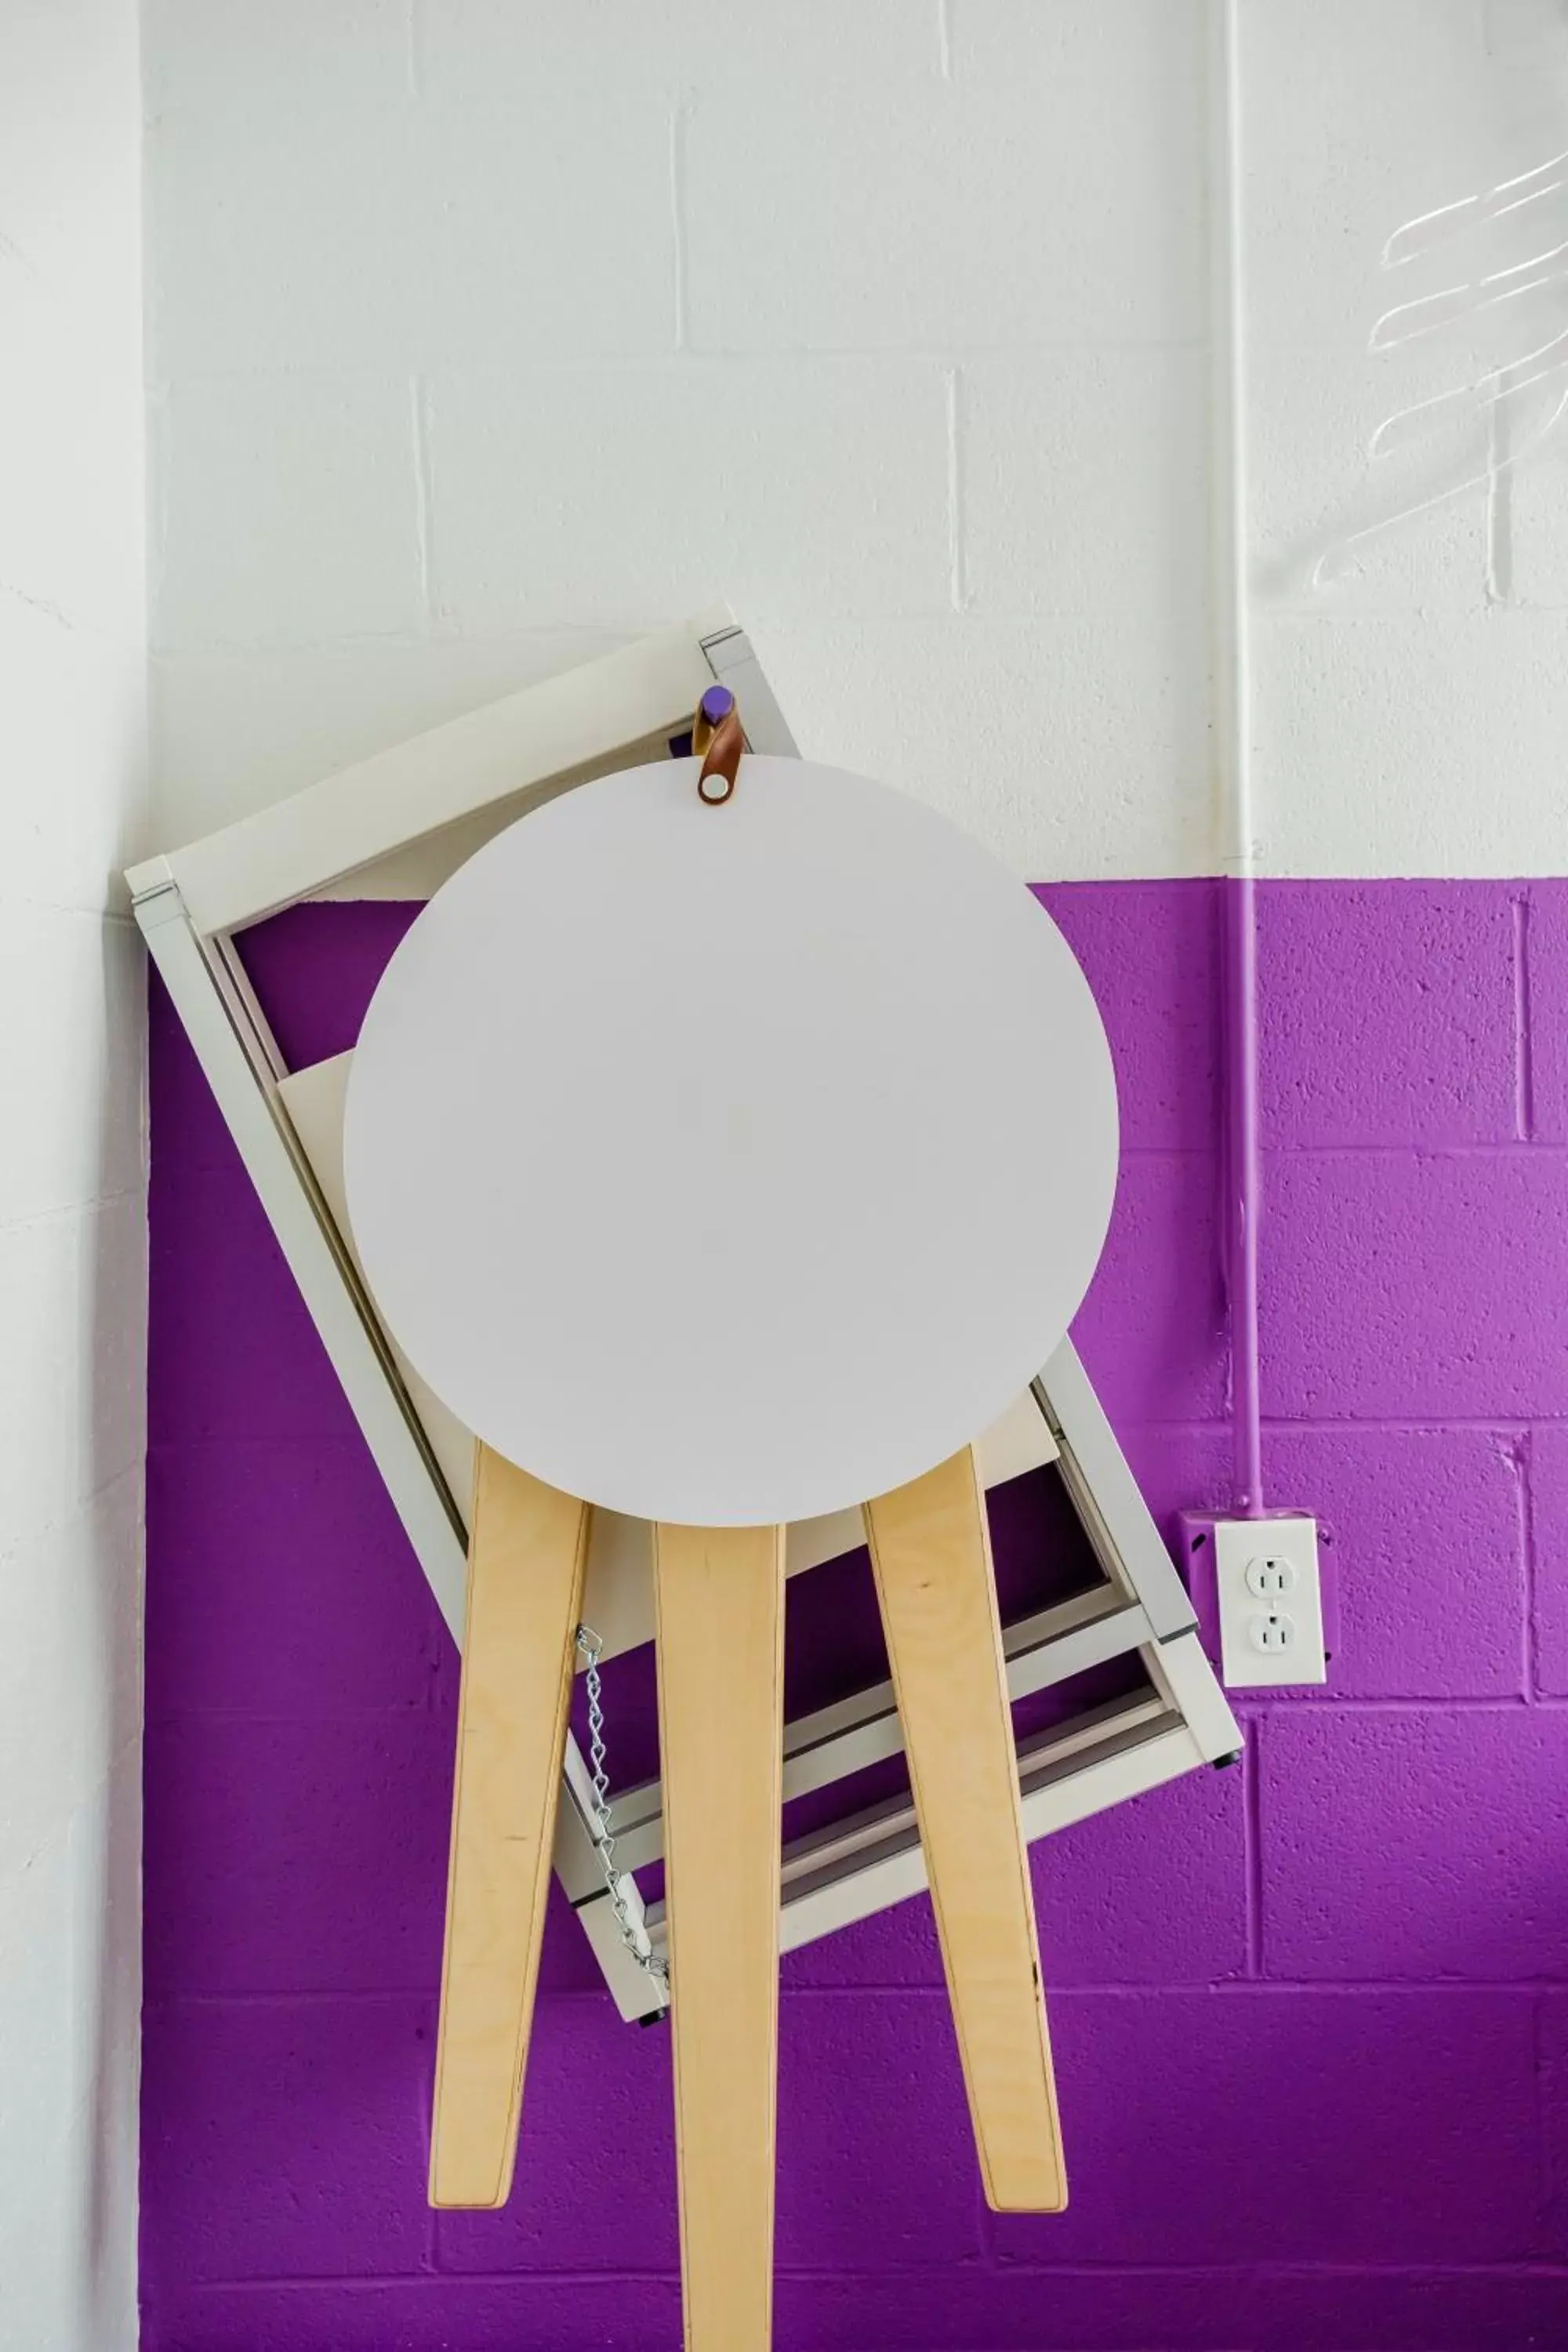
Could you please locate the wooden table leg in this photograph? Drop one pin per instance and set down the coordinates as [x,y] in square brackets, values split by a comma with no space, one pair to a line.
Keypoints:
[527,1549]
[931,1552]
[719,1594]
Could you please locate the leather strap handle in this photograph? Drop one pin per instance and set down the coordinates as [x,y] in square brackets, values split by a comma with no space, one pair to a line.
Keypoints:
[716,735]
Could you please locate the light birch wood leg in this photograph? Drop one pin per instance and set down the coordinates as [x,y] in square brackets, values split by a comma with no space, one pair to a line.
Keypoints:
[931,1552]
[719,1594]
[527,1548]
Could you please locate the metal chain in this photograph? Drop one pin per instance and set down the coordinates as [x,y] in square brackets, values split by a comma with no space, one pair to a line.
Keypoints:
[633,1935]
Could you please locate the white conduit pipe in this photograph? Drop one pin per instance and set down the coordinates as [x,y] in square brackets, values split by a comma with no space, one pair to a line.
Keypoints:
[1232,695]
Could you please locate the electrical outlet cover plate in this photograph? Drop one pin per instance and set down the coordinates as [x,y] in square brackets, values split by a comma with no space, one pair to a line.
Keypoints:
[1265,1601]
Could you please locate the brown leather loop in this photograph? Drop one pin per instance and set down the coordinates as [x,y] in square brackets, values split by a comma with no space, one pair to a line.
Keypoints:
[722,756]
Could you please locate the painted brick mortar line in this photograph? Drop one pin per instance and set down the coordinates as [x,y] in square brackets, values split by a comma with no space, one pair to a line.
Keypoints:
[1499,581]
[1501,1426]
[1322,1425]
[412,47]
[1524,1041]
[1324,1704]
[1504,1147]
[1013,2264]
[89,1206]
[424,499]
[945,38]
[761,361]
[1523,1462]
[899,1989]
[1517,1703]
[958,580]
[1514,1450]
[1020,2266]
[680,118]
[106,918]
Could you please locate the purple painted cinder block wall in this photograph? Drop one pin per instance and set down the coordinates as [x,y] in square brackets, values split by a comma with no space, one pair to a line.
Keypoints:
[1312,2015]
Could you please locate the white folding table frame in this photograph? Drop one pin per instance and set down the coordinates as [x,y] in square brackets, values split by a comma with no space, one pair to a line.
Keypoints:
[393,827]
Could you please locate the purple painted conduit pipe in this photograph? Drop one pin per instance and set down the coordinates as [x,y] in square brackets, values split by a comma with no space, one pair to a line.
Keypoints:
[1243,1184]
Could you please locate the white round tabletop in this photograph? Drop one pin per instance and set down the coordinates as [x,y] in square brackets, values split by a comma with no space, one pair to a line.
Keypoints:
[728,1166]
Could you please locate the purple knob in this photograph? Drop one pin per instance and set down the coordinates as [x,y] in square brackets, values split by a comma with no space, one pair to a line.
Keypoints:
[717,703]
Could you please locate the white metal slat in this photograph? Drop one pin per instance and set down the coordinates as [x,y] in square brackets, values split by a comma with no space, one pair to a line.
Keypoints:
[380,805]
[314,1263]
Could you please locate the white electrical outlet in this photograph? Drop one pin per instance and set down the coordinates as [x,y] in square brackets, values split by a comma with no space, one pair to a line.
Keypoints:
[1270,1603]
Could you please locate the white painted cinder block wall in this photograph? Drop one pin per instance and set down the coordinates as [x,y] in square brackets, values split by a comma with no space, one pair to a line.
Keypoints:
[72,1208]
[486,332]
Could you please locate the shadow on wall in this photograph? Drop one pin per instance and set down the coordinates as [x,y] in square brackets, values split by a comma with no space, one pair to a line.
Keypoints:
[106,1833]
